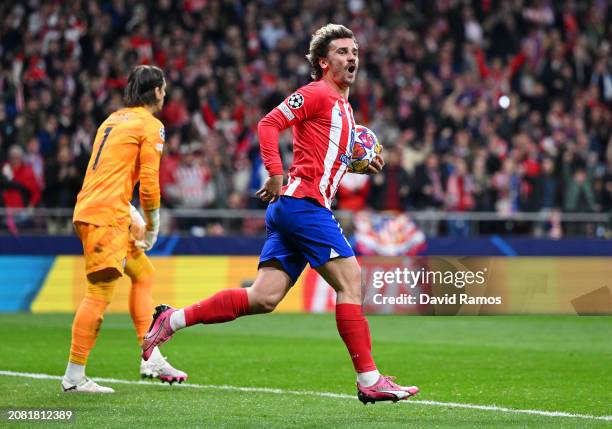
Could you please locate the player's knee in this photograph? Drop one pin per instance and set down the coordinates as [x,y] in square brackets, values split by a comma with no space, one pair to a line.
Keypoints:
[138,266]
[101,284]
[268,290]
[105,275]
[353,294]
[267,304]
[351,286]
[263,303]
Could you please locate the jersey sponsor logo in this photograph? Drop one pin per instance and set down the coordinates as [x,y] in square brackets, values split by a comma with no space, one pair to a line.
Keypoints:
[285,110]
[296,100]
[162,134]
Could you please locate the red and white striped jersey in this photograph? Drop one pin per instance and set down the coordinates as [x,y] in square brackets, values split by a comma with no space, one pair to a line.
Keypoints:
[323,131]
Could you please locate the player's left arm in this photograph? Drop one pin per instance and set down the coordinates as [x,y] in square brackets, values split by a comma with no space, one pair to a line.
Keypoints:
[150,157]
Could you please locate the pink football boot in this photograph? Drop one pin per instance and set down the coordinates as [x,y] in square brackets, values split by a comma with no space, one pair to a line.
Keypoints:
[159,332]
[385,390]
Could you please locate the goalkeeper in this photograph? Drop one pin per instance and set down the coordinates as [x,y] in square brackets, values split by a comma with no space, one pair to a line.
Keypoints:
[127,149]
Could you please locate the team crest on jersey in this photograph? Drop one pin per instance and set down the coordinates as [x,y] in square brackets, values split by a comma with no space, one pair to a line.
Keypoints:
[296,100]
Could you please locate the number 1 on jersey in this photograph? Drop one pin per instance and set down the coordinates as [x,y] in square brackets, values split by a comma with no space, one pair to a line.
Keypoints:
[106,133]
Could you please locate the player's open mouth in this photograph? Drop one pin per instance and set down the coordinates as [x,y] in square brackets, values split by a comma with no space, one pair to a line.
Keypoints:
[352,68]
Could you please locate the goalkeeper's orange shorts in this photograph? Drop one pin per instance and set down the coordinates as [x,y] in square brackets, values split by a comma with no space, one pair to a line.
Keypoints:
[103,246]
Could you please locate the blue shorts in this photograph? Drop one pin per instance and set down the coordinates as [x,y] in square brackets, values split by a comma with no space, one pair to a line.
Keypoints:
[300,231]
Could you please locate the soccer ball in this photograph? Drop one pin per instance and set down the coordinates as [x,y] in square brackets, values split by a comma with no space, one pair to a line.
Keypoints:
[364,149]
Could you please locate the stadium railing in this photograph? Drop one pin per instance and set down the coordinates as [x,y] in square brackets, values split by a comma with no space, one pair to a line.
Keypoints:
[50,221]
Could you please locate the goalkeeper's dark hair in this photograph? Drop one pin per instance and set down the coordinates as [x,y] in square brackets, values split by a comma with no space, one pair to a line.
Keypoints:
[140,89]
[319,45]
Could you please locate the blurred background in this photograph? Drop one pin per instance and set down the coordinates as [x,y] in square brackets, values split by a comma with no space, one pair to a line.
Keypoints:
[495,115]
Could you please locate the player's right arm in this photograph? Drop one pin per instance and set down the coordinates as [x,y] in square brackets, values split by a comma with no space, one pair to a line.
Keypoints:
[299,106]
[150,156]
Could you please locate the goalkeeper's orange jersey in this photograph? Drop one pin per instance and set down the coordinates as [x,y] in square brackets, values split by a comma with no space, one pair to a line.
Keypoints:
[127,148]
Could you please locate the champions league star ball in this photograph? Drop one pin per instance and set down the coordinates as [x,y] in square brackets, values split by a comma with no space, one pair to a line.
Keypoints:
[364,150]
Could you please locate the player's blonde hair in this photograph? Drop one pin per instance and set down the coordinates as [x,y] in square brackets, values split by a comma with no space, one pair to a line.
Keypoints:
[319,45]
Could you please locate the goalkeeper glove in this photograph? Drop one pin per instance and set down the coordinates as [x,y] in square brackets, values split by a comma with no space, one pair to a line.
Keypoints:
[151,231]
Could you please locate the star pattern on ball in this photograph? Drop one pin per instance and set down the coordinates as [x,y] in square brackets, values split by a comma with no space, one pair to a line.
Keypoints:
[296,100]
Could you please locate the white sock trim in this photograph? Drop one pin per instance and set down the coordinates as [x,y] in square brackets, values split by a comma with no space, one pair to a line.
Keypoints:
[156,355]
[74,373]
[177,320]
[368,378]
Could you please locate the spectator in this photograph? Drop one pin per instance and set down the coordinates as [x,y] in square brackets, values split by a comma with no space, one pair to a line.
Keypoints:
[459,197]
[36,161]
[429,184]
[63,180]
[22,186]
[580,195]
[545,195]
[507,183]
[460,188]
[389,189]
[483,195]
[21,190]
[175,115]
[192,186]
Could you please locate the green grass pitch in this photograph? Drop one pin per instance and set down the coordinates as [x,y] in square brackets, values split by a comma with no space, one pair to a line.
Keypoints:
[526,363]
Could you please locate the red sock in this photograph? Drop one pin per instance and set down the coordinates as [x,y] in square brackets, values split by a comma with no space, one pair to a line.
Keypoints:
[355,331]
[221,307]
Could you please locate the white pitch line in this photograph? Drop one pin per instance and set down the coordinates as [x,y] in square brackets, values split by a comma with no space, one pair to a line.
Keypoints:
[320,394]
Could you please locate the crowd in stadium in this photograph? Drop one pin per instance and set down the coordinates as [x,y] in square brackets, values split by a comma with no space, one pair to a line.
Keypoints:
[480,105]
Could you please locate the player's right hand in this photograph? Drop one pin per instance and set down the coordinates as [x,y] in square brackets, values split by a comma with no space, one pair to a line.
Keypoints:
[271,188]
[376,165]
[151,232]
